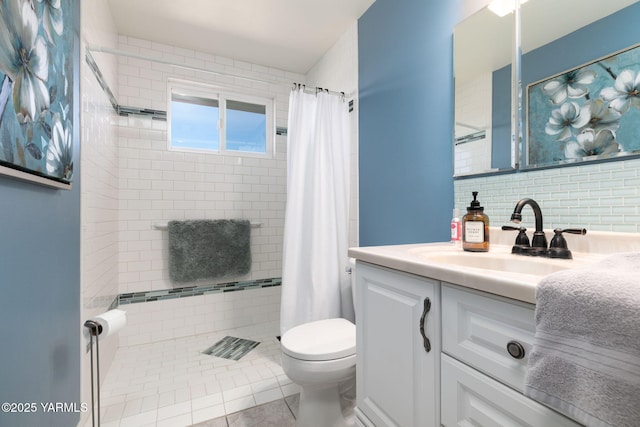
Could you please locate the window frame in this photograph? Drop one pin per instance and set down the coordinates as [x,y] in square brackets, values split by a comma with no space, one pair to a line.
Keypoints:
[205,91]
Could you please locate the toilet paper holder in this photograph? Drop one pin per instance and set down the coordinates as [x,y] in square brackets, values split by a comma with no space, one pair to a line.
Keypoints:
[94,327]
[104,324]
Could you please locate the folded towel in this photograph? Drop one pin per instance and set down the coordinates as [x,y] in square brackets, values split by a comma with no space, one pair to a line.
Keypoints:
[585,360]
[208,249]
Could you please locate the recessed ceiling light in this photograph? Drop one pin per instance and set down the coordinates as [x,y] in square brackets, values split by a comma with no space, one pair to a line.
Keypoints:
[503,7]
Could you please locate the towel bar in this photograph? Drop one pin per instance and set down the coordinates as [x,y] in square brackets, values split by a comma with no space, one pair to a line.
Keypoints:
[164,226]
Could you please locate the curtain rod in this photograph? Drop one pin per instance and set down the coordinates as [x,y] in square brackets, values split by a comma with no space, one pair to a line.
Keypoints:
[193,68]
[317,90]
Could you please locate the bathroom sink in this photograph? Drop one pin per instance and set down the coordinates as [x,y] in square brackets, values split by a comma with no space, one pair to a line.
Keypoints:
[497,262]
[498,271]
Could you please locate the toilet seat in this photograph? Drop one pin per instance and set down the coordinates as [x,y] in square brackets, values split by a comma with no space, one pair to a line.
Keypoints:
[327,339]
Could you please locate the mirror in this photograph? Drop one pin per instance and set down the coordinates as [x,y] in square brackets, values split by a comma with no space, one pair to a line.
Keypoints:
[482,45]
[482,58]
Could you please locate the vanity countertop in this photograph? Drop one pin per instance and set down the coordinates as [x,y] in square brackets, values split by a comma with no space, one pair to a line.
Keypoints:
[497,271]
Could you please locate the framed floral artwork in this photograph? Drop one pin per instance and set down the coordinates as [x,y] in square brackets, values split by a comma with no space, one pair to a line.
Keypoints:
[36,90]
[591,112]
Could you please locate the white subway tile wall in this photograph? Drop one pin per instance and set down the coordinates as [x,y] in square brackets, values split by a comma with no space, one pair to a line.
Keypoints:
[157,321]
[472,157]
[98,180]
[599,197]
[158,185]
[99,198]
[473,108]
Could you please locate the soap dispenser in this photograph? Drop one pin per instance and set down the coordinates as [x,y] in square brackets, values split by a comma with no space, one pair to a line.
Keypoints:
[475,227]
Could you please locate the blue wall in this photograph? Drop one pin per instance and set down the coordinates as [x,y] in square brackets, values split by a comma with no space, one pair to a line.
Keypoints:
[405,54]
[610,34]
[40,295]
[39,303]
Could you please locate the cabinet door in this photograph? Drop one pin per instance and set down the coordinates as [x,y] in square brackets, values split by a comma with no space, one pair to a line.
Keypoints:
[397,380]
[470,398]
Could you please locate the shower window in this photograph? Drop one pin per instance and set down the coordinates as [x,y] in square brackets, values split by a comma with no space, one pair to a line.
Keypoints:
[194,123]
[207,120]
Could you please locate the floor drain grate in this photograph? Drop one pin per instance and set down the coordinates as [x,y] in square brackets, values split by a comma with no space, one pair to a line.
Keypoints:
[231,348]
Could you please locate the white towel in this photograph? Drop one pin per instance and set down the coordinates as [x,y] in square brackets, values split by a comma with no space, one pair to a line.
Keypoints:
[585,361]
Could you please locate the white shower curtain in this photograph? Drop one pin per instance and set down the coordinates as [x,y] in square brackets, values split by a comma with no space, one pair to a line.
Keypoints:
[315,283]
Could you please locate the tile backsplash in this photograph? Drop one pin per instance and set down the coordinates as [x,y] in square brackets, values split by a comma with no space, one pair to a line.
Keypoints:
[599,197]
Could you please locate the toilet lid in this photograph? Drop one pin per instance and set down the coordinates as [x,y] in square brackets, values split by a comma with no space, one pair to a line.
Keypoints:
[320,340]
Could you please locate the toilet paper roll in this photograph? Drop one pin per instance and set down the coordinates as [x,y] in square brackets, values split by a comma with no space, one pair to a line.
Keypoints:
[111,321]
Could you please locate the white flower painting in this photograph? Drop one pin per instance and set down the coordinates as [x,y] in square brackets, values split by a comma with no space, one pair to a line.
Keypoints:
[588,113]
[36,72]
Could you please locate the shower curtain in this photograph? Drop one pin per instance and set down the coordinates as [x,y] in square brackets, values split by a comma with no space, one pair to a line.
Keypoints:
[315,282]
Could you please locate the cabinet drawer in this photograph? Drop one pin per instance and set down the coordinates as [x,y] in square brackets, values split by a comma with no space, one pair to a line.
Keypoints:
[477,328]
[470,398]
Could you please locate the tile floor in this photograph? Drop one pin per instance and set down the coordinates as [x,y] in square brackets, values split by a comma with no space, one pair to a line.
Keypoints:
[279,413]
[172,383]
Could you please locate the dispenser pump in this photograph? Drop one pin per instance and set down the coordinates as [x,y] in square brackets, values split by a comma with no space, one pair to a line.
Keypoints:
[475,227]
[475,204]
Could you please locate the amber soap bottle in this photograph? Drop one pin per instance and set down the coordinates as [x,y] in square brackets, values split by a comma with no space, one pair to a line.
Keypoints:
[475,227]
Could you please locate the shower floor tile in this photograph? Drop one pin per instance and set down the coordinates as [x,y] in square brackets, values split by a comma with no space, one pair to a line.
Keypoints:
[233,348]
[174,380]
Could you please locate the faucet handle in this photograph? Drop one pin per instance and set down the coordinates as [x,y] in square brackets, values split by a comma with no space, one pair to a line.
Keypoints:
[522,244]
[580,231]
[558,246]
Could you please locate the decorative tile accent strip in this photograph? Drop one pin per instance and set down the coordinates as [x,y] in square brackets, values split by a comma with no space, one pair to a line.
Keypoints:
[125,111]
[101,80]
[121,109]
[190,291]
[231,348]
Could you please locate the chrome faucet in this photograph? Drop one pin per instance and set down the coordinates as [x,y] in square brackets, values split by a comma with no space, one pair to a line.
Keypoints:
[539,241]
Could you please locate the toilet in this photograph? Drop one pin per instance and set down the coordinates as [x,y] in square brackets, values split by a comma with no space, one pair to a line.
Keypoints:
[320,357]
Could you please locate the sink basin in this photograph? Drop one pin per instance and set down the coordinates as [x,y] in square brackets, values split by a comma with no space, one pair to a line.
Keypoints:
[499,262]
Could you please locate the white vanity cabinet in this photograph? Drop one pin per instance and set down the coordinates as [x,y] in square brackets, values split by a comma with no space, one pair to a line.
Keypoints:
[398,379]
[474,373]
[485,343]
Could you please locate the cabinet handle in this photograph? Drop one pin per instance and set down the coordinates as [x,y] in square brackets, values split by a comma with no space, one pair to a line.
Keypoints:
[425,340]
[515,349]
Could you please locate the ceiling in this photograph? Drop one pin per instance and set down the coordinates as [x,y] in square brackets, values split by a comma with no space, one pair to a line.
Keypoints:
[290,35]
